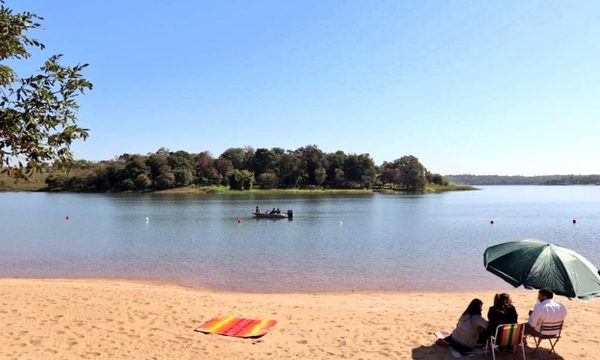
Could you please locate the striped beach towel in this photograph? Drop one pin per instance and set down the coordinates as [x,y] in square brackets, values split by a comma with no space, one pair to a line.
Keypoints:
[238,327]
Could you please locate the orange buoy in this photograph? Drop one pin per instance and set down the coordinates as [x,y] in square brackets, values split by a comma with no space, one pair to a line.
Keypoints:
[239,221]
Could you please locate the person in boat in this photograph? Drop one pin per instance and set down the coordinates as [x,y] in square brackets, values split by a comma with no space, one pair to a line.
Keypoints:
[464,337]
[257,210]
[273,211]
[278,211]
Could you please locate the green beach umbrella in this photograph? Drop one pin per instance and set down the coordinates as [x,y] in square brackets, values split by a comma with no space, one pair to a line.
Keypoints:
[537,264]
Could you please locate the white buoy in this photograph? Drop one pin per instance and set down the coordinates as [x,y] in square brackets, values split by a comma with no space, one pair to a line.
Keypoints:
[147,219]
[341,223]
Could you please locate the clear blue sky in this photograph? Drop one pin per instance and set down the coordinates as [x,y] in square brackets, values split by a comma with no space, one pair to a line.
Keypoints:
[483,87]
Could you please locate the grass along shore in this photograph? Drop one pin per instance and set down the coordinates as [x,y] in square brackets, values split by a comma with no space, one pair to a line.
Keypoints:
[223,190]
[450,187]
[36,182]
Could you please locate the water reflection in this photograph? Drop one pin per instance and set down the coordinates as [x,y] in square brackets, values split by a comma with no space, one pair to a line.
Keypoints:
[377,242]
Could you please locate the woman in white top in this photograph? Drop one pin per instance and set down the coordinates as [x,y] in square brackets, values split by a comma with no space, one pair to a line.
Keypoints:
[470,324]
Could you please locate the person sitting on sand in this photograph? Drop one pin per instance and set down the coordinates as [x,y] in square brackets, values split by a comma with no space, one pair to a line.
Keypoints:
[502,312]
[470,324]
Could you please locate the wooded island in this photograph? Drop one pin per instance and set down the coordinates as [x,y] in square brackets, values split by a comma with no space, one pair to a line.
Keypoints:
[307,168]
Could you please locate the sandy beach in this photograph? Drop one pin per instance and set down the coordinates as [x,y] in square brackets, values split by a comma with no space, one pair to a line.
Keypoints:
[118,319]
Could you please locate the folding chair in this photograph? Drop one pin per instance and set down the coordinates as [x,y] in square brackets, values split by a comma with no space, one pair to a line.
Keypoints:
[507,336]
[550,331]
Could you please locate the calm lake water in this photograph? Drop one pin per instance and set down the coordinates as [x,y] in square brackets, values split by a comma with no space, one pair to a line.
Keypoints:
[369,242]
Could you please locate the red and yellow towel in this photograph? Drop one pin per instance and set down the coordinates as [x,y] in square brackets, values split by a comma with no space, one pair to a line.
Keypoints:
[238,327]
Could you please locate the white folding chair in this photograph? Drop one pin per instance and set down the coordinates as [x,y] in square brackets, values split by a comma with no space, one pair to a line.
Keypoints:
[548,331]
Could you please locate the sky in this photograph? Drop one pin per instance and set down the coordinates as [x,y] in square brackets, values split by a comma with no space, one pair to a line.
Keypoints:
[478,87]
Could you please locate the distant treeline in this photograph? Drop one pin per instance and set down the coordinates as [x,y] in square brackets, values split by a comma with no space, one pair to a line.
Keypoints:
[525,180]
[241,168]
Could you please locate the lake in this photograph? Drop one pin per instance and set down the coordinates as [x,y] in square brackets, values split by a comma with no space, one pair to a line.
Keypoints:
[334,243]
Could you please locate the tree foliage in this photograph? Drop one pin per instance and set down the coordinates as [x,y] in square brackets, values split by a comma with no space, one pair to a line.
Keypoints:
[469,179]
[307,167]
[406,172]
[38,113]
[241,180]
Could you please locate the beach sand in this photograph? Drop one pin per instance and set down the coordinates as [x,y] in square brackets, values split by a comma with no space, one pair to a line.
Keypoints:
[118,319]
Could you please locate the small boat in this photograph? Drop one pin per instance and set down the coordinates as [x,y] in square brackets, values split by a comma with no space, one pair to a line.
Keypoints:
[273,215]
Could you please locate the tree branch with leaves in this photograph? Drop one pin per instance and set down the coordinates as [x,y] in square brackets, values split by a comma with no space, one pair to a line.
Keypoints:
[38,113]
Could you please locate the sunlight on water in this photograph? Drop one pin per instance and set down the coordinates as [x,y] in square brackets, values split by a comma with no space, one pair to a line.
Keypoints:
[378,242]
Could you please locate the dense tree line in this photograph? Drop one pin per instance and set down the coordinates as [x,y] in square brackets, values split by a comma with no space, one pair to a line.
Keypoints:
[525,180]
[573,180]
[307,167]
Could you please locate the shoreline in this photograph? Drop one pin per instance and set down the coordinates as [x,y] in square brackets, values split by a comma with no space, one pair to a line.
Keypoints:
[505,287]
[224,191]
[120,318]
